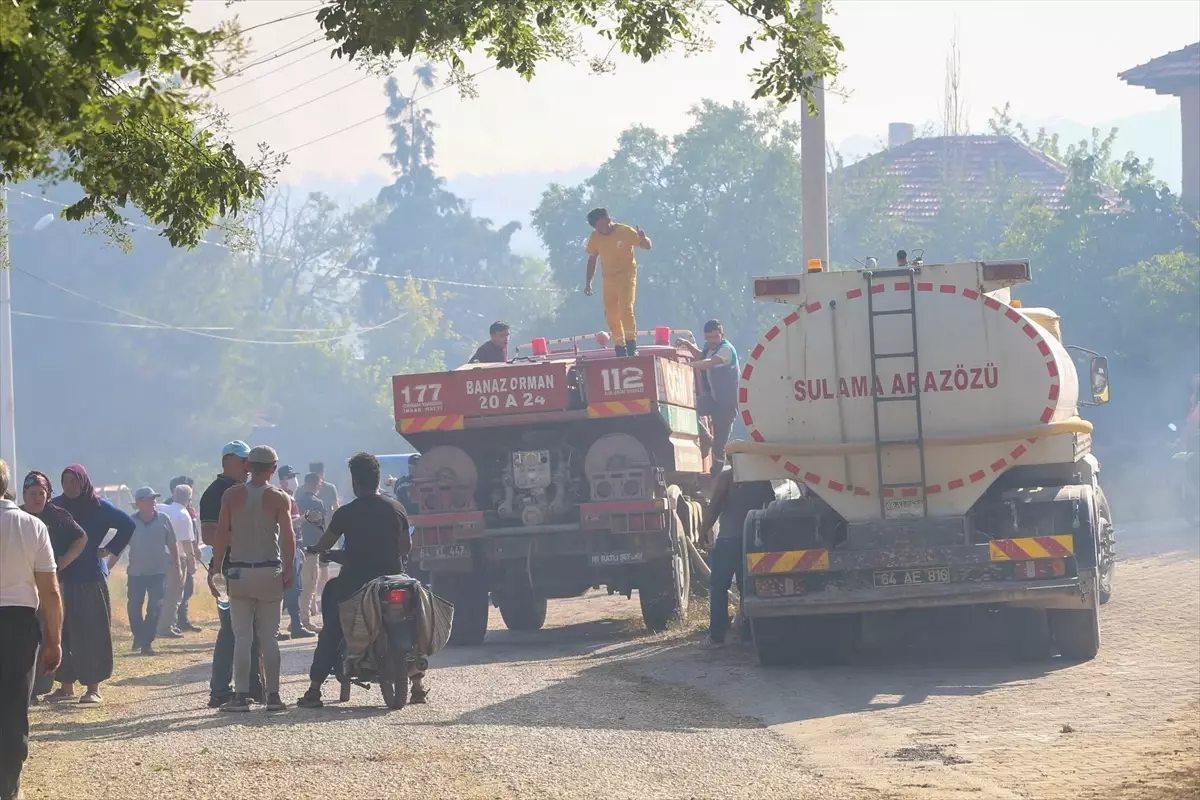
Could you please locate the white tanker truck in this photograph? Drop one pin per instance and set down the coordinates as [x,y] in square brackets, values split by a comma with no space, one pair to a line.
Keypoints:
[934,425]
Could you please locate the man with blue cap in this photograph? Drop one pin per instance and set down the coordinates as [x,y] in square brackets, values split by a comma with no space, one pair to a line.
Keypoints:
[235,469]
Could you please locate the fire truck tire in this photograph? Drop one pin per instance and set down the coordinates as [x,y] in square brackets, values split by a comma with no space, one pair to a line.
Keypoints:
[469,596]
[522,610]
[1076,632]
[1028,632]
[666,585]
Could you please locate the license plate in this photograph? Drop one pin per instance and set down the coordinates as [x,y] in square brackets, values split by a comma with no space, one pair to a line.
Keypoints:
[609,559]
[912,577]
[441,551]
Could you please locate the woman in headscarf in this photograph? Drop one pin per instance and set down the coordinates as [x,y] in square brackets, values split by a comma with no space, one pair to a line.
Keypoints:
[87,632]
[66,537]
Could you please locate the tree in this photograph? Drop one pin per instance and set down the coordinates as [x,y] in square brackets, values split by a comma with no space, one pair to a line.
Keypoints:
[425,235]
[102,94]
[720,201]
[522,35]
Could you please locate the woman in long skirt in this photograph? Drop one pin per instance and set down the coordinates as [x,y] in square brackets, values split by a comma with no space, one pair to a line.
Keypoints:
[66,537]
[87,619]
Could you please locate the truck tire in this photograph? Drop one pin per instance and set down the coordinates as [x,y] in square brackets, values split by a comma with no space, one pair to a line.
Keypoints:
[1028,631]
[1076,631]
[1108,548]
[469,595]
[828,639]
[775,640]
[522,610]
[666,585]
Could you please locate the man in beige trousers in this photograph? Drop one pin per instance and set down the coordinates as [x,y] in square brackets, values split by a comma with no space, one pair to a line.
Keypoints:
[255,551]
[308,499]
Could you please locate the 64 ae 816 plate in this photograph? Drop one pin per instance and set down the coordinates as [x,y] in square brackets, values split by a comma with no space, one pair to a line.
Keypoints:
[911,577]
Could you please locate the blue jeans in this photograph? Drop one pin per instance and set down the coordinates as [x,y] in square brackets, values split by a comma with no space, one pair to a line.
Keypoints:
[221,682]
[148,590]
[726,569]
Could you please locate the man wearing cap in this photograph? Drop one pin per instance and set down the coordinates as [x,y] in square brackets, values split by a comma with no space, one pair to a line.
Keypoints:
[234,470]
[154,562]
[255,551]
[181,524]
[291,598]
[192,555]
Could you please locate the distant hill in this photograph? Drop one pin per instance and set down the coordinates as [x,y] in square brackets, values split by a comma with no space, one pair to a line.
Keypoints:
[504,197]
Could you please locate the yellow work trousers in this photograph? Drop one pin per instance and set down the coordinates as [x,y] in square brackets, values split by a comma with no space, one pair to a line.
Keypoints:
[620,289]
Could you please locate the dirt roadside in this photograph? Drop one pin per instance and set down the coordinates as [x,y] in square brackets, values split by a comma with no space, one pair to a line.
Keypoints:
[593,707]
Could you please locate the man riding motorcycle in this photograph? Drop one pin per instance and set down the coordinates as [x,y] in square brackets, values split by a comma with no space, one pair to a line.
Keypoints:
[377,541]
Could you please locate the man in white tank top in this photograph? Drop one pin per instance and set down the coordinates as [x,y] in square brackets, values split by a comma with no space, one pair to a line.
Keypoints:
[255,551]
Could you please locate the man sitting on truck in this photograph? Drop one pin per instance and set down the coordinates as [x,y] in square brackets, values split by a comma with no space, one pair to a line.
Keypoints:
[730,503]
[495,349]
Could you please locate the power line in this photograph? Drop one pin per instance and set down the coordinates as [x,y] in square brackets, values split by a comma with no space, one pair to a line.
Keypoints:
[366,273]
[109,324]
[279,52]
[303,13]
[341,66]
[203,333]
[305,103]
[360,123]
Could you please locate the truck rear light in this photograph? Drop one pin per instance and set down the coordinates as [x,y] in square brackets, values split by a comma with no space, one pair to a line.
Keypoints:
[539,346]
[662,335]
[1006,270]
[636,523]
[396,597]
[766,287]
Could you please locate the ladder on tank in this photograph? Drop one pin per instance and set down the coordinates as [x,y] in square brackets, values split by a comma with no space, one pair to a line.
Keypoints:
[896,488]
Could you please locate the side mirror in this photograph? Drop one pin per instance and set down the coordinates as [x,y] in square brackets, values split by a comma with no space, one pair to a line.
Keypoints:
[1099,372]
[1095,391]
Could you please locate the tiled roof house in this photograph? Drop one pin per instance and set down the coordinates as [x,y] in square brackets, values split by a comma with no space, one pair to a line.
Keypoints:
[924,169]
[1178,73]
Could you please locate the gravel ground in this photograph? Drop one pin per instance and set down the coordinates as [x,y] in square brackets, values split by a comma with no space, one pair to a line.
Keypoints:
[594,708]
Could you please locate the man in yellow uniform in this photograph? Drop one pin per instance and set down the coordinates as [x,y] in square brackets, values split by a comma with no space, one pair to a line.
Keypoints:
[613,244]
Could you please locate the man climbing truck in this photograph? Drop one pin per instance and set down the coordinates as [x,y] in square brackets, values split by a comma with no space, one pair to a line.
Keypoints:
[934,425]
[565,469]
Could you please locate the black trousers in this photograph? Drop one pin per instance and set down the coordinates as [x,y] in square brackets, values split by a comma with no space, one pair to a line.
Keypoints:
[21,635]
[329,640]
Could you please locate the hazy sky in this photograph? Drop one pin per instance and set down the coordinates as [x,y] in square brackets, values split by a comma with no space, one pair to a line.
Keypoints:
[1050,58]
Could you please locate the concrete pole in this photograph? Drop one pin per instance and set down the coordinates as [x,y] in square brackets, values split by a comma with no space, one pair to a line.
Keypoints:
[814,183]
[8,415]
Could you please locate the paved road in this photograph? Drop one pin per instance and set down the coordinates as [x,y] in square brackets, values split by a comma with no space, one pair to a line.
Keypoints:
[594,708]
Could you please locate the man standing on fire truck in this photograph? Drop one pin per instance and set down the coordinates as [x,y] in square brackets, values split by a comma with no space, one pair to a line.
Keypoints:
[613,245]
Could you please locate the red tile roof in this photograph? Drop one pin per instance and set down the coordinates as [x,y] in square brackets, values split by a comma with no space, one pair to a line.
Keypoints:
[968,166]
[1169,74]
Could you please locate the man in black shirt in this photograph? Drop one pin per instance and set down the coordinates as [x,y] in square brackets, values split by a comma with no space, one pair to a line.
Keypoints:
[377,541]
[234,470]
[494,350]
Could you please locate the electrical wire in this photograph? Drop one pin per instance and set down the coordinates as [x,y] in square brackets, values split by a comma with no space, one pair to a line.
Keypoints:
[374,117]
[366,273]
[109,324]
[298,106]
[281,52]
[296,15]
[281,67]
[202,333]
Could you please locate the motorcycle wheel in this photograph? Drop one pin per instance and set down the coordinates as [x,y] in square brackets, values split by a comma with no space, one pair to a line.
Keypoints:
[393,683]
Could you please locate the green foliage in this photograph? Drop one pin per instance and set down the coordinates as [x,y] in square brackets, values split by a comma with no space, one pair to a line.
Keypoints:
[720,202]
[520,36]
[101,93]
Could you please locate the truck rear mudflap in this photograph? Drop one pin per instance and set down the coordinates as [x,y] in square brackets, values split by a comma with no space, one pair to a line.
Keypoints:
[1038,571]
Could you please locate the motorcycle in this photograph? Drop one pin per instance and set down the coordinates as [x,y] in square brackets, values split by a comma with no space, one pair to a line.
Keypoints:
[394,653]
[398,664]
[1187,477]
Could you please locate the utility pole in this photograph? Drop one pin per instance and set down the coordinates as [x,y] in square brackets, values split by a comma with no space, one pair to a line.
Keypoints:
[814,182]
[8,415]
